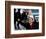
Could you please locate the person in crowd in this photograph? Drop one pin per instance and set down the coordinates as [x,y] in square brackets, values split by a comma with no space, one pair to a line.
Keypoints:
[18,17]
[24,15]
[32,24]
[15,18]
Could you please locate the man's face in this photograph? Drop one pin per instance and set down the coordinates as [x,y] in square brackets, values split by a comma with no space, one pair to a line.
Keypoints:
[30,20]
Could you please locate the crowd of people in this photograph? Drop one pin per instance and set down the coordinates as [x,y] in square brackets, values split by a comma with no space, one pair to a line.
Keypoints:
[24,20]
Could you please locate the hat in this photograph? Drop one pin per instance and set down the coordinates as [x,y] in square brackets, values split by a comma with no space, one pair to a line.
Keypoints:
[31,16]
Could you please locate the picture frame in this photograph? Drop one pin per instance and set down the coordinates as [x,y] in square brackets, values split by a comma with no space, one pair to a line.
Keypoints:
[8,19]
